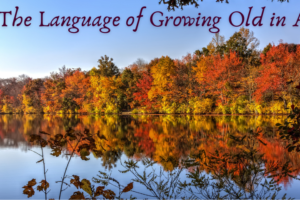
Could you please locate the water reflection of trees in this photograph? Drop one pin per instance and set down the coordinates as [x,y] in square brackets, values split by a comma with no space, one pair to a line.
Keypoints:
[165,139]
[237,174]
[9,133]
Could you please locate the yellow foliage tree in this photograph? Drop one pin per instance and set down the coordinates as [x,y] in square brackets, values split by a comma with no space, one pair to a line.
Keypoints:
[105,93]
[162,74]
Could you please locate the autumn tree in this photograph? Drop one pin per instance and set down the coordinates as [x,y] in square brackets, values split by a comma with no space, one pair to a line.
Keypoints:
[162,74]
[106,86]
[107,94]
[235,43]
[32,96]
[8,104]
[280,66]
[245,44]
[13,87]
[184,84]
[1,103]
[251,64]
[221,77]
[75,92]
[216,41]
[251,41]
[143,87]
[267,48]
[51,99]
[130,76]
[200,70]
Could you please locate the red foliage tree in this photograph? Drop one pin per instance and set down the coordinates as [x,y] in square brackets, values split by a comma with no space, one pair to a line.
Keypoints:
[1,93]
[279,67]
[222,74]
[143,87]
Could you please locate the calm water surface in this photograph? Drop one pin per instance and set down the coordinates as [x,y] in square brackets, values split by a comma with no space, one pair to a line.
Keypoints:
[178,145]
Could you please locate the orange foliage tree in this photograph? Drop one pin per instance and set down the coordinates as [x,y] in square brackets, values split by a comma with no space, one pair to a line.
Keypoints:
[51,99]
[221,75]
[76,90]
[280,66]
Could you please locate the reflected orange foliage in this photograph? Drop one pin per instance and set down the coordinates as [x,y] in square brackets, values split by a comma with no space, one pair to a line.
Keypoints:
[165,139]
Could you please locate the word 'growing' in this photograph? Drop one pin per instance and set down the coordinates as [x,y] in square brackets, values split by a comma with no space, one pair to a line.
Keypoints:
[187,21]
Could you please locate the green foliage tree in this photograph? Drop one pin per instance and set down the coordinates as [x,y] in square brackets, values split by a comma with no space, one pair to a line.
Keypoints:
[236,43]
[266,49]
[107,68]
[129,79]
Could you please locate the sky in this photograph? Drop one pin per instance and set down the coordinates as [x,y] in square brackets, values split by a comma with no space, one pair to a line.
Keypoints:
[37,51]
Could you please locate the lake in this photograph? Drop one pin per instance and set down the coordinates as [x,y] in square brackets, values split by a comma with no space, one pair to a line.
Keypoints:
[169,156]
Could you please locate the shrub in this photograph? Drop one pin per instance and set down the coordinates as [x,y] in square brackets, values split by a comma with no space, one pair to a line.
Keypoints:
[202,105]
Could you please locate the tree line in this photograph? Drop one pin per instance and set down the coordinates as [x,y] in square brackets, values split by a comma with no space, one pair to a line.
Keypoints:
[227,76]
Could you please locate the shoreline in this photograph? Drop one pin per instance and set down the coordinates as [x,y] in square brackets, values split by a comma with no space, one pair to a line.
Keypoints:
[128,114]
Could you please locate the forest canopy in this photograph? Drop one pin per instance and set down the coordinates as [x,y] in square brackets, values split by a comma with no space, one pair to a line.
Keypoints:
[226,77]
